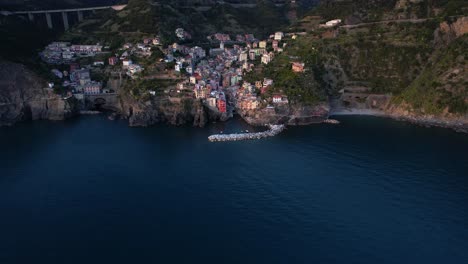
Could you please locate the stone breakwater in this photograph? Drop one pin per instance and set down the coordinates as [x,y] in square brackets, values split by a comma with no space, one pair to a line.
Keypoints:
[331,121]
[273,131]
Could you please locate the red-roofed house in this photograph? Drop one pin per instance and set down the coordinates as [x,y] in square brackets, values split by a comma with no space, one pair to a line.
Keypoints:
[298,67]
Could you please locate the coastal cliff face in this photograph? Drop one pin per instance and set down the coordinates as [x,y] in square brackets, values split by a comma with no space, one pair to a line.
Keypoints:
[23,97]
[446,33]
[439,94]
[175,111]
[294,114]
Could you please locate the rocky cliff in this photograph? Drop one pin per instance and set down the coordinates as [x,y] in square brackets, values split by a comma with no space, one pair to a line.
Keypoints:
[289,114]
[23,97]
[447,32]
[175,111]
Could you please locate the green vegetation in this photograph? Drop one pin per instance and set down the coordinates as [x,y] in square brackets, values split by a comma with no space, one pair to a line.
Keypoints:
[140,88]
[304,87]
[142,17]
[452,7]
[388,57]
[375,10]
[394,58]
[442,85]
[364,10]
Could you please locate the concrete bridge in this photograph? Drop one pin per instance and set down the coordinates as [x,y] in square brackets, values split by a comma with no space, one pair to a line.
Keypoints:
[208,4]
[235,5]
[64,12]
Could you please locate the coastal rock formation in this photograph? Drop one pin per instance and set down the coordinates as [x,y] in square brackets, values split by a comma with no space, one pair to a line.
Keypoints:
[294,114]
[23,97]
[175,111]
[448,120]
[448,32]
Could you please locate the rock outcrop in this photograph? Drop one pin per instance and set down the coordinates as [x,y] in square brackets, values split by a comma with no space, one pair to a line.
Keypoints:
[406,113]
[289,114]
[175,111]
[23,97]
[448,32]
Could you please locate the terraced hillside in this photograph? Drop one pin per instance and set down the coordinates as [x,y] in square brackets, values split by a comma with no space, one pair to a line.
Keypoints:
[148,17]
[414,65]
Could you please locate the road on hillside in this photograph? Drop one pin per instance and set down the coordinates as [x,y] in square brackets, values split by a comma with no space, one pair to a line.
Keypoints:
[418,20]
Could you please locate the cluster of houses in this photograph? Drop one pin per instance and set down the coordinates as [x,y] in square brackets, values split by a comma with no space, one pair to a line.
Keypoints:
[213,75]
[64,52]
[79,80]
[247,95]
[76,78]
[187,58]
[140,50]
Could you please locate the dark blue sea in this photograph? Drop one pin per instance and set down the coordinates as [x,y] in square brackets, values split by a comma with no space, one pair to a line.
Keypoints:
[369,190]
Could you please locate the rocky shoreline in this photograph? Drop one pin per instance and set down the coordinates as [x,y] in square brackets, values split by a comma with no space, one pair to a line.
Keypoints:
[457,124]
[292,115]
[23,98]
[145,119]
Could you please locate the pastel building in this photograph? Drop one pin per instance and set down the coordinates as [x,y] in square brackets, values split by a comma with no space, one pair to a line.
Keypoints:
[113,60]
[221,106]
[298,67]
[279,36]
[92,88]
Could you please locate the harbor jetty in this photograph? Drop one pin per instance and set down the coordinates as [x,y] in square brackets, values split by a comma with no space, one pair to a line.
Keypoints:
[331,121]
[273,131]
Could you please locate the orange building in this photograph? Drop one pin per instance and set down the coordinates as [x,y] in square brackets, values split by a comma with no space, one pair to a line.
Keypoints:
[298,67]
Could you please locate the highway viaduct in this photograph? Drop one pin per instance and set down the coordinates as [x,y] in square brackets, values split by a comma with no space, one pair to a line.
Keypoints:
[64,12]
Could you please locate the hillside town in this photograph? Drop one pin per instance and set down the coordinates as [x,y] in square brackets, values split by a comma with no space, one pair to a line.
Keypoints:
[232,131]
[214,75]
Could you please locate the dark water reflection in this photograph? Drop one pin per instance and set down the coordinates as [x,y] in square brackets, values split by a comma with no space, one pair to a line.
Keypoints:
[369,190]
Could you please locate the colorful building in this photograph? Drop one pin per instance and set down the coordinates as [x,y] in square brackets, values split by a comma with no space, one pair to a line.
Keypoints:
[279,36]
[275,44]
[222,106]
[113,60]
[92,88]
[298,67]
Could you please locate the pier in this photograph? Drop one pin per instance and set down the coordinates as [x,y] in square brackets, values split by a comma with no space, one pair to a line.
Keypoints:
[273,131]
[331,121]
